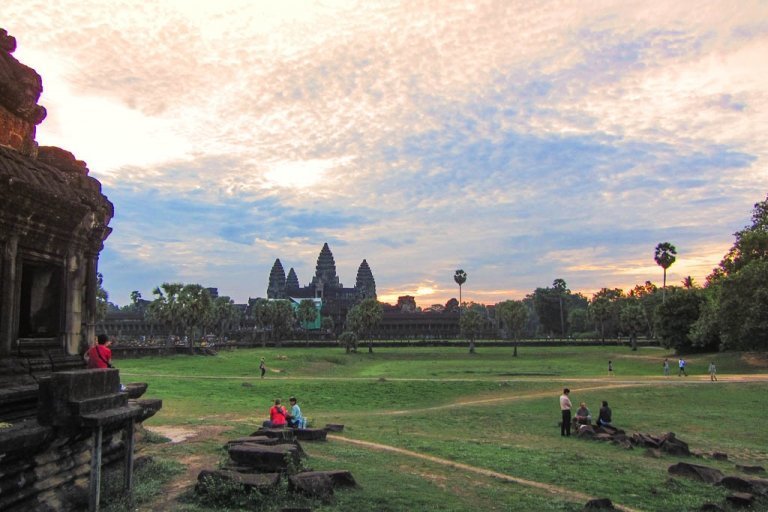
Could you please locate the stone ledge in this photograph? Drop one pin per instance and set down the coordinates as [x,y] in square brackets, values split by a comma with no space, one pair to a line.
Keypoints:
[24,435]
[111,416]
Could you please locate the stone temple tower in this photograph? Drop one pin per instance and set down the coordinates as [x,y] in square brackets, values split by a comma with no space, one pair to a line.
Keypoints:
[325,271]
[276,287]
[365,284]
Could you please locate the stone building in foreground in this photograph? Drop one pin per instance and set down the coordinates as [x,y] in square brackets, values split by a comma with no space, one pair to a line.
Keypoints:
[59,423]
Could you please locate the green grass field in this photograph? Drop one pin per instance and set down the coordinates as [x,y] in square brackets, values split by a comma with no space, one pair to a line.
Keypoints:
[475,432]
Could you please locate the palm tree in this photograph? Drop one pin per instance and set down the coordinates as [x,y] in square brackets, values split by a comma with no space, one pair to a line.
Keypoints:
[561,288]
[665,257]
[460,277]
[688,283]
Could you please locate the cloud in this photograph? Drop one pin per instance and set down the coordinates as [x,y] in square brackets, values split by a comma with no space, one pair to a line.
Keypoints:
[518,140]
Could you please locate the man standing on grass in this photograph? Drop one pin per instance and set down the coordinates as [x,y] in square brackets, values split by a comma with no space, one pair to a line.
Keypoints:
[262,368]
[712,371]
[666,367]
[681,367]
[565,408]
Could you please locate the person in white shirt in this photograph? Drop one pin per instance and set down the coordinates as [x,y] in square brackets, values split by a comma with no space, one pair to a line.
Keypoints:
[565,408]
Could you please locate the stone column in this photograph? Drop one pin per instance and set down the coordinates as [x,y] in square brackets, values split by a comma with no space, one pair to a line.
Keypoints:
[8,295]
[73,300]
[91,262]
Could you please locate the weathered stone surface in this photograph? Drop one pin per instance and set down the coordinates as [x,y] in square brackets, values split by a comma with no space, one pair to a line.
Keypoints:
[653,453]
[711,507]
[585,432]
[674,446]
[334,427]
[603,436]
[260,481]
[310,434]
[750,485]
[719,456]
[317,485]
[61,390]
[136,389]
[599,504]
[255,440]
[740,499]
[23,435]
[149,407]
[265,458]
[645,440]
[750,469]
[701,473]
[286,434]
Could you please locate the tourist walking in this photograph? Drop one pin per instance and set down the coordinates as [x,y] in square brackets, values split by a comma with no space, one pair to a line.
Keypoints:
[666,367]
[565,409]
[610,367]
[681,367]
[262,368]
[712,371]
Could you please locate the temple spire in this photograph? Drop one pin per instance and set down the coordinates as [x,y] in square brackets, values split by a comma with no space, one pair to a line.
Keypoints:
[276,287]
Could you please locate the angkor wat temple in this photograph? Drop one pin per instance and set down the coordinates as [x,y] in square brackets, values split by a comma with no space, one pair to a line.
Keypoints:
[336,299]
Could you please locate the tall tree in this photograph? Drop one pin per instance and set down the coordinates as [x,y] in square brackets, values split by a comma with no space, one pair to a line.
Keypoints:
[102,297]
[665,256]
[471,322]
[751,244]
[307,314]
[363,318]
[280,317]
[460,277]
[632,319]
[514,314]
[225,315]
[165,308]
[561,289]
[676,317]
[743,312]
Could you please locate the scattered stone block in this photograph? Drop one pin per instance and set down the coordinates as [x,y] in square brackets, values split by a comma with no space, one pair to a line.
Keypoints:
[674,446]
[136,389]
[310,434]
[750,469]
[741,499]
[262,482]
[719,456]
[645,440]
[599,504]
[285,434]
[334,427]
[654,453]
[711,507]
[696,472]
[585,432]
[315,485]
[269,459]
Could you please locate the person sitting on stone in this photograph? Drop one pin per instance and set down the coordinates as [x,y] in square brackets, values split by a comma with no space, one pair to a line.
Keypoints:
[295,418]
[277,416]
[583,416]
[604,419]
[99,355]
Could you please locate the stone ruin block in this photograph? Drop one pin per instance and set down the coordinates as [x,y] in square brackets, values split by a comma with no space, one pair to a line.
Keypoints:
[262,482]
[750,485]
[321,484]
[270,441]
[136,389]
[263,458]
[701,473]
[334,427]
[750,469]
[599,504]
[741,499]
[310,434]
[65,396]
[674,446]
[285,434]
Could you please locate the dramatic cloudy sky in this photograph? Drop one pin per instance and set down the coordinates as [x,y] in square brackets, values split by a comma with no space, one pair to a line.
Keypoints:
[521,141]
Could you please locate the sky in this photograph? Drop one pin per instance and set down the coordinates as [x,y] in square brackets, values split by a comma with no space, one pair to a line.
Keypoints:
[520,141]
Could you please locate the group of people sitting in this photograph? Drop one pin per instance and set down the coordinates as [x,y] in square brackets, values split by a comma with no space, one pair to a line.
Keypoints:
[280,417]
[584,417]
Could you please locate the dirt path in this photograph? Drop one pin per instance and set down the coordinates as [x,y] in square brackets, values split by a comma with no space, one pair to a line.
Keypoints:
[553,489]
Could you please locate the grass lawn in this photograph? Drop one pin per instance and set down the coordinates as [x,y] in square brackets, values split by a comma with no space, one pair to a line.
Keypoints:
[475,432]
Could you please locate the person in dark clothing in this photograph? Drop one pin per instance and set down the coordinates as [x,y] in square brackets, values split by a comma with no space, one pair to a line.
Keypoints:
[605,415]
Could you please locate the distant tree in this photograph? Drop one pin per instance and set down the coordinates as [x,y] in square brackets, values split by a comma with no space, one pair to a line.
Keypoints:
[280,317]
[452,306]
[561,289]
[460,277]
[349,340]
[514,315]
[471,322]
[688,282]
[577,320]
[406,304]
[165,309]
[604,310]
[258,312]
[435,308]
[363,318]
[665,257]
[676,316]
[306,314]
[632,319]
[327,324]
[649,299]
[743,311]
[751,244]
[705,331]
[225,315]
[102,298]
